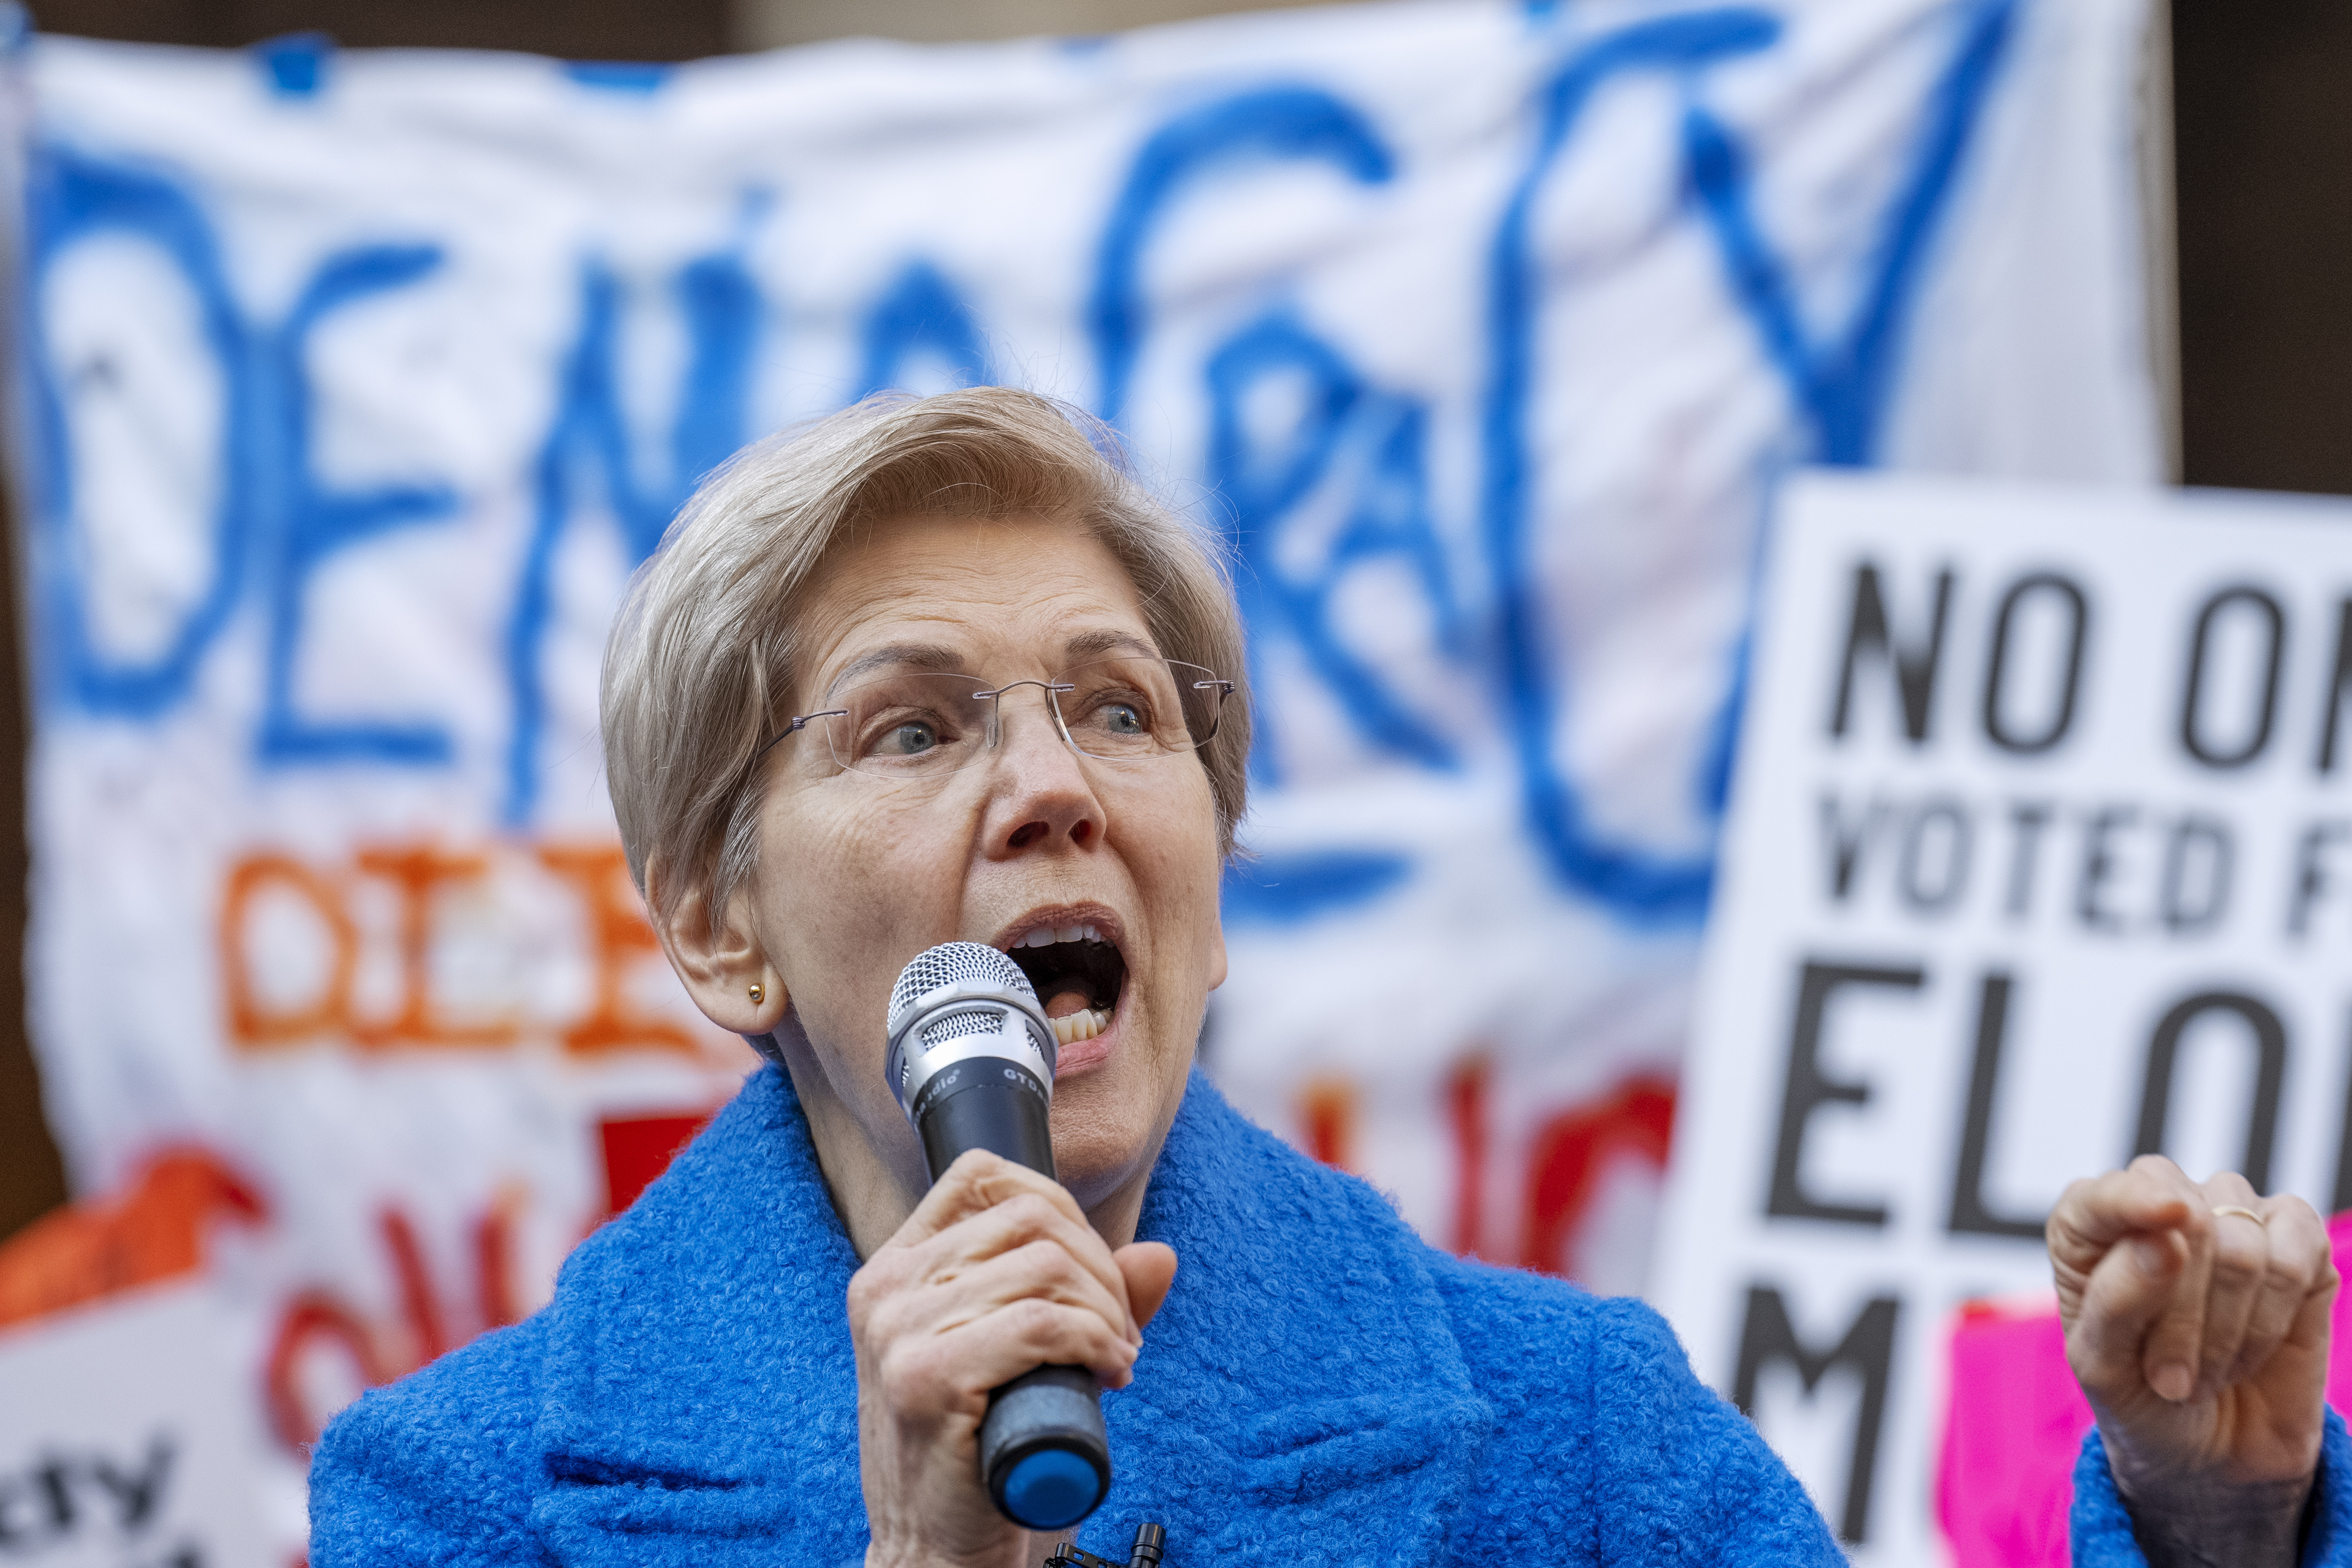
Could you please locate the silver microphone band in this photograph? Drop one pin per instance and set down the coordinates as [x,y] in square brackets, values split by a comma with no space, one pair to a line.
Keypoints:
[1025,1038]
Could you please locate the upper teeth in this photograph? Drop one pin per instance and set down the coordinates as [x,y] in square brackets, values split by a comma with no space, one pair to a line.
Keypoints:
[1047,936]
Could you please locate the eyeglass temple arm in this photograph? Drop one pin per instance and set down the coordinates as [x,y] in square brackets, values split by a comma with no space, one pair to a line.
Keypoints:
[794,728]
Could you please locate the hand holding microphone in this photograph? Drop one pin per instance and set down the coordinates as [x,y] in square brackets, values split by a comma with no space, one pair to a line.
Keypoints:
[972,1060]
[996,1276]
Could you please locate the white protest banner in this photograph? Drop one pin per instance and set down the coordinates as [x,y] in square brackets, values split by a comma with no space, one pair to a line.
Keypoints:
[357,382]
[129,1438]
[2040,856]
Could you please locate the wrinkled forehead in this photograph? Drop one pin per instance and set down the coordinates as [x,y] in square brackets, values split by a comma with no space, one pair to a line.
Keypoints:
[891,657]
[1004,598]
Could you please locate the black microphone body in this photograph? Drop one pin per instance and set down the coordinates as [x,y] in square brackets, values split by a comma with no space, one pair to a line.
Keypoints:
[984,1104]
[971,1061]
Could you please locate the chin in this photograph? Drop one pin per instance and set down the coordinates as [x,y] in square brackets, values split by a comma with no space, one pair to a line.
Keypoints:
[1107,1117]
[1115,1081]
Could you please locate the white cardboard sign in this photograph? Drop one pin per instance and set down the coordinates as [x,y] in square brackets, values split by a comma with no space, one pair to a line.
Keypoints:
[128,1438]
[2039,856]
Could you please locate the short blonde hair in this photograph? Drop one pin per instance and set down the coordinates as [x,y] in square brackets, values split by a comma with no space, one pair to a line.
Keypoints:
[702,649]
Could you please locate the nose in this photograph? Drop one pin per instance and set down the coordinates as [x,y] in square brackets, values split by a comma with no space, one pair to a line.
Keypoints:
[1040,798]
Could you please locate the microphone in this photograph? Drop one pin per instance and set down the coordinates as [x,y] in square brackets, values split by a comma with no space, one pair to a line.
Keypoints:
[972,1062]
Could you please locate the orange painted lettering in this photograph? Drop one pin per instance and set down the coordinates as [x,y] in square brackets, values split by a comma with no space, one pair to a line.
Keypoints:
[252,1022]
[599,873]
[421,872]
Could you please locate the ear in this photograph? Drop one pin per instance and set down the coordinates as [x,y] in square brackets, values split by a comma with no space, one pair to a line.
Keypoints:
[718,956]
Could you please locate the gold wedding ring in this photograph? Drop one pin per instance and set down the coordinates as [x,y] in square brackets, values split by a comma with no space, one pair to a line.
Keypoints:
[2221,1209]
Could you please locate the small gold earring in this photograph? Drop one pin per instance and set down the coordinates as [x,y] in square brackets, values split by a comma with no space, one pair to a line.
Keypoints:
[759,994]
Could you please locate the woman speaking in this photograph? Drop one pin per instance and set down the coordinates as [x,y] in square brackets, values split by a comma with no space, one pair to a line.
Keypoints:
[935,670]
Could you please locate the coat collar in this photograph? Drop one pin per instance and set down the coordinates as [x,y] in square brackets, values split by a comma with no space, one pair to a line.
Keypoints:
[1302,1384]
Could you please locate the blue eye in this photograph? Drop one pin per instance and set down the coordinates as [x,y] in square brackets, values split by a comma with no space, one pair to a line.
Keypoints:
[1122,719]
[910,739]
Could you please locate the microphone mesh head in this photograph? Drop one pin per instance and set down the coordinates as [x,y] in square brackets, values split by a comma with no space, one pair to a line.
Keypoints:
[948,963]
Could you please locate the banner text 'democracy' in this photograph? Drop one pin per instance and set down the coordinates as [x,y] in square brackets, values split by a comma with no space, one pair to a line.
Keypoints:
[277,519]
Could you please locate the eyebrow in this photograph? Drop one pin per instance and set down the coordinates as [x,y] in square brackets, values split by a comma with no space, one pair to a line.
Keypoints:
[1107,641]
[897,655]
[932,656]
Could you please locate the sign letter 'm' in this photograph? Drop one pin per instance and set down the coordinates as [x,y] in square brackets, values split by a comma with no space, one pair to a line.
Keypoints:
[1868,1348]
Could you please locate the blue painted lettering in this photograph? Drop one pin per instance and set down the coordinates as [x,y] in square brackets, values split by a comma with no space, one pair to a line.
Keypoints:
[1843,384]
[72,197]
[588,446]
[1635,883]
[920,316]
[313,522]
[1263,476]
[1280,122]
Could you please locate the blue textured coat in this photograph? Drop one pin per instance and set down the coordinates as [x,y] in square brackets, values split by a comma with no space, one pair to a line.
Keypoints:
[1321,1387]
[2103,1533]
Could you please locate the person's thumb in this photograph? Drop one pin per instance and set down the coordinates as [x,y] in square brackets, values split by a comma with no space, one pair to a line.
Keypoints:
[1150,1269]
[2125,1304]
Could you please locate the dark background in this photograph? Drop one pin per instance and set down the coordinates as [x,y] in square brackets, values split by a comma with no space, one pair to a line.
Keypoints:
[2262,148]
[2261,144]
[579,29]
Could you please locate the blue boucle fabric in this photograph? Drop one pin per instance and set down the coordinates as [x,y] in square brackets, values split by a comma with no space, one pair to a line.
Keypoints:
[2103,1531]
[1321,1388]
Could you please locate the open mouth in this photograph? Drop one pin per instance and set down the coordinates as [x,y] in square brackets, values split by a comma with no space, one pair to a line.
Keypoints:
[1077,974]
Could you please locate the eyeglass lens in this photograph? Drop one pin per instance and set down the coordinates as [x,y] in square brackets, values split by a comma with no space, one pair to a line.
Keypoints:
[924,721]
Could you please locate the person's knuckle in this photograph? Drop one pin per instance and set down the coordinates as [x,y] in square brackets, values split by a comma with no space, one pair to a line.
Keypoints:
[2286,1274]
[2237,1265]
[1007,1177]
[972,1168]
[1054,1263]
[1034,1318]
[886,1319]
[1039,1260]
[2075,1208]
[2293,1216]
[1033,1212]
[905,1374]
